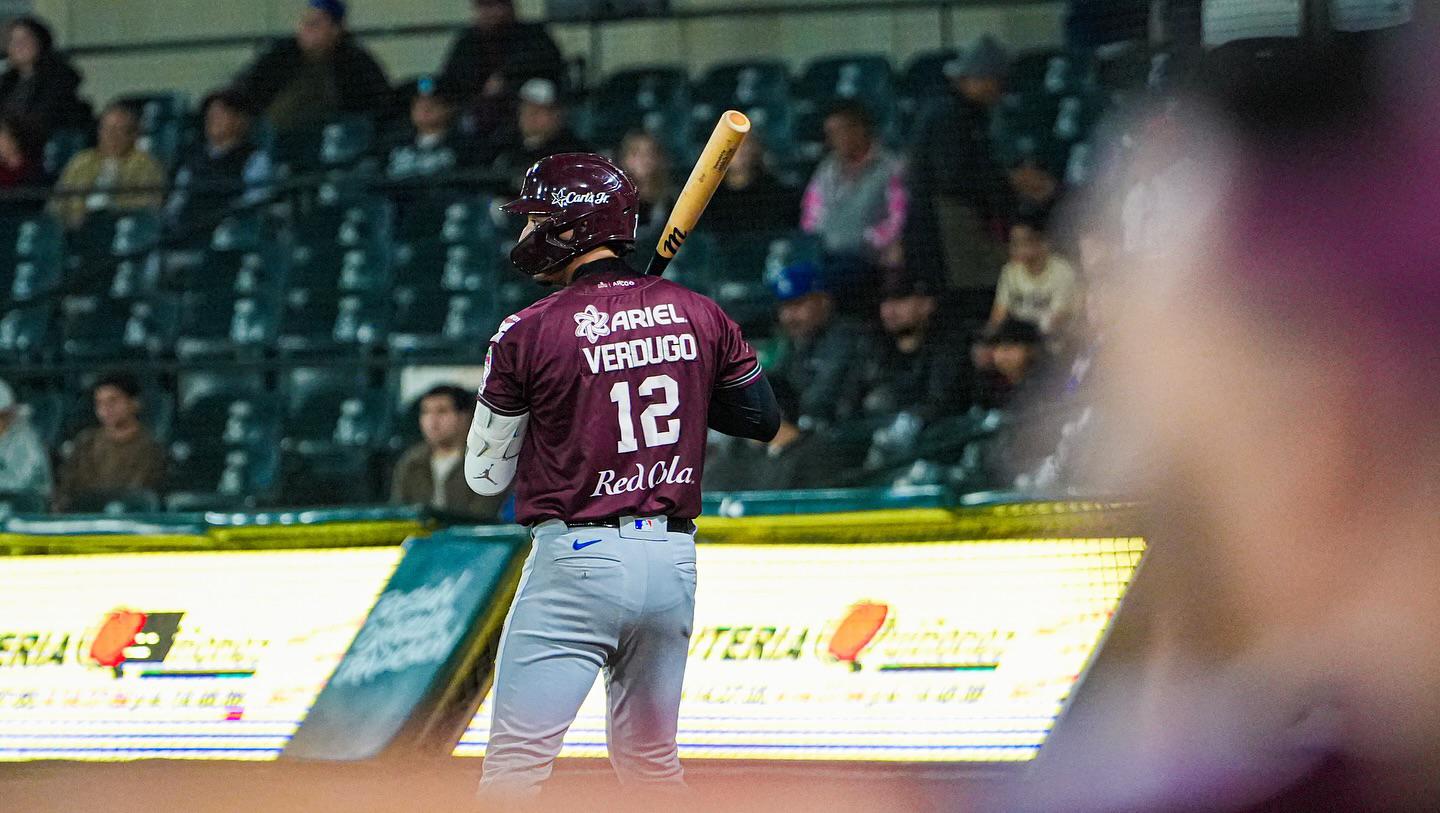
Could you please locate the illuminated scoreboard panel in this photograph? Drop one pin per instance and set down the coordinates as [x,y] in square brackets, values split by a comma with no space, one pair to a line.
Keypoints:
[178,656]
[928,652]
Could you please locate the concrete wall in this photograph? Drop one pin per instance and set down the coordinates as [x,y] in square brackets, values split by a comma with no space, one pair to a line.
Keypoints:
[795,37]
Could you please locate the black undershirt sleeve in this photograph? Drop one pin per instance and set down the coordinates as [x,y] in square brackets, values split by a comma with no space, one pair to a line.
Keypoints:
[746,412]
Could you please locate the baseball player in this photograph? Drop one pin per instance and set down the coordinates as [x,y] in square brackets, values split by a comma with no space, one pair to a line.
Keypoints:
[596,401]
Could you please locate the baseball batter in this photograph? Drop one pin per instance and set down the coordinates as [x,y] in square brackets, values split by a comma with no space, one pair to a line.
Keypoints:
[596,401]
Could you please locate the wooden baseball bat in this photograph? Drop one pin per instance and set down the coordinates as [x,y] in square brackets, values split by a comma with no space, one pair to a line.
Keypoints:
[704,179]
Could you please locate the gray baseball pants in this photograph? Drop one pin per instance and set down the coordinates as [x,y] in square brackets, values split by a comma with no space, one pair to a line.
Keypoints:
[591,599]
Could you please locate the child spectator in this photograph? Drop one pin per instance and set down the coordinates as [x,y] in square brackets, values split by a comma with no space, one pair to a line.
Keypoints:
[1036,286]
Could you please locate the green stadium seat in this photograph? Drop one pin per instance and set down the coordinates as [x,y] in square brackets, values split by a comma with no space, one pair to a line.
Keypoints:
[158,107]
[243,273]
[336,144]
[433,265]
[240,231]
[347,221]
[223,326]
[38,239]
[222,479]
[107,328]
[328,477]
[760,89]
[225,412]
[163,142]
[129,501]
[655,98]
[325,322]
[435,322]
[47,410]
[328,268]
[24,331]
[424,217]
[62,146]
[22,502]
[28,280]
[1051,72]
[331,408]
[695,264]
[862,78]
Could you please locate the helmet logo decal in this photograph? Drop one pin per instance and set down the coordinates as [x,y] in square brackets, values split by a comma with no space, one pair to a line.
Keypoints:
[592,324]
[564,197]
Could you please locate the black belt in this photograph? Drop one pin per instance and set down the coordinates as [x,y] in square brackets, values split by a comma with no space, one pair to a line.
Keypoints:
[679,526]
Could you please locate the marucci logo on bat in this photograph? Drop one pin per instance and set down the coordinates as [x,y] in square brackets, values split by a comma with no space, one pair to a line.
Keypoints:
[675,239]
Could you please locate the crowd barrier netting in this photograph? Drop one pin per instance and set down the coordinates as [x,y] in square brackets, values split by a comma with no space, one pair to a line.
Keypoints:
[856,626]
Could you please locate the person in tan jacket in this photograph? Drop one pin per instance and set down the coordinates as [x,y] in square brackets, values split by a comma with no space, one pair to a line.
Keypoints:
[431,472]
[101,178]
[119,455]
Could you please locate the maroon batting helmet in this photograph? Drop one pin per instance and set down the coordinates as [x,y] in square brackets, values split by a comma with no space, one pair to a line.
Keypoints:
[576,192]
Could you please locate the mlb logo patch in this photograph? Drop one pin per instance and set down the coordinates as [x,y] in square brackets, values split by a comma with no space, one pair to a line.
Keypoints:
[645,524]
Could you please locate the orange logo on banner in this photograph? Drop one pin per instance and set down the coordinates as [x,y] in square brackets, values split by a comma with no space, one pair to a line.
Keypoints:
[857,631]
[117,633]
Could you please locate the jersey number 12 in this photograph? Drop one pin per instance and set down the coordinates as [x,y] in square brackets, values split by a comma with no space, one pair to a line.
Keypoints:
[650,422]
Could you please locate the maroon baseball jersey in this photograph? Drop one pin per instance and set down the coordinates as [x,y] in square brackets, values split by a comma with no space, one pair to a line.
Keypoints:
[616,371]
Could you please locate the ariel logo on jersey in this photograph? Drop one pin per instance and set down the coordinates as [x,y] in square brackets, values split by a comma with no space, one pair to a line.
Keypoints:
[592,324]
[564,197]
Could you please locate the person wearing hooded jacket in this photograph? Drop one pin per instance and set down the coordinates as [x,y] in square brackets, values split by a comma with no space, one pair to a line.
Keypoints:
[39,86]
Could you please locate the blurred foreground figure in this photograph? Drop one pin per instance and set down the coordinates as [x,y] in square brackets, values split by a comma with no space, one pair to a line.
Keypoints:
[1272,387]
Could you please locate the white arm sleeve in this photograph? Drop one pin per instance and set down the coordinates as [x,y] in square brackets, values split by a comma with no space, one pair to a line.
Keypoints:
[493,449]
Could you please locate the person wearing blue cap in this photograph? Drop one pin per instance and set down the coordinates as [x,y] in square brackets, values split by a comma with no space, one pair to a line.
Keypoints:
[961,198]
[322,72]
[819,353]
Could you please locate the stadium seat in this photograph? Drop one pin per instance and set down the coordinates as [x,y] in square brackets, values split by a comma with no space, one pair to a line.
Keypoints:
[22,502]
[226,411]
[158,107]
[470,222]
[129,501]
[24,331]
[863,78]
[242,273]
[36,239]
[760,89]
[62,146]
[329,407]
[47,410]
[433,265]
[439,322]
[315,321]
[655,98]
[221,478]
[107,328]
[333,476]
[106,235]
[240,231]
[347,221]
[29,280]
[163,142]
[316,266]
[1052,72]
[424,217]
[219,325]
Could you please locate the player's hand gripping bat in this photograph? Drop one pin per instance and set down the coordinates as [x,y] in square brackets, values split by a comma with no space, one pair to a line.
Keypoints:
[704,179]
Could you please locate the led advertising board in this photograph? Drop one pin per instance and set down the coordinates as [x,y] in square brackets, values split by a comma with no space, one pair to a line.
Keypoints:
[174,655]
[960,651]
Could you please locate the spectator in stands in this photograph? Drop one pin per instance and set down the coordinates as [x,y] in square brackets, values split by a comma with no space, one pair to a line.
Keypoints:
[490,62]
[118,455]
[750,198]
[1036,285]
[39,85]
[647,162]
[21,164]
[307,80]
[962,197]
[919,365]
[430,472]
[819,353]
[540,130]
[115,175]
[856,201]
[24,463]
[1006,357]
[436,144]
[225,167]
